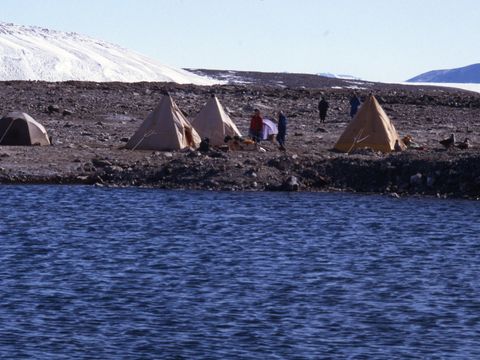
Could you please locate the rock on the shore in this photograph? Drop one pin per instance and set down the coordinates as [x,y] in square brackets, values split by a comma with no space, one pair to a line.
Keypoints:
[291,184]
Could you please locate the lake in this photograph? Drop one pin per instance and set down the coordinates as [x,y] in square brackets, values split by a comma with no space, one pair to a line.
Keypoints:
[97,273]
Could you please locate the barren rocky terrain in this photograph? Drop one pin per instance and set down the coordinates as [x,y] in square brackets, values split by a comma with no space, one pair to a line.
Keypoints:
[91,122]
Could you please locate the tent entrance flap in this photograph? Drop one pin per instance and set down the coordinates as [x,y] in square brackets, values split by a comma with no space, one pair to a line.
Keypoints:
[19,128]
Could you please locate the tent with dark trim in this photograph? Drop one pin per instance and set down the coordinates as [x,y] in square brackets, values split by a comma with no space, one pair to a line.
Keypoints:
[19,128]
[370,128]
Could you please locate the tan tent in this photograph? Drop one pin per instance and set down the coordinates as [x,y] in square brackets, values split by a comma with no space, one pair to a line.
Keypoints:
[213,122]
[370,128]
[18,128]
[165,128]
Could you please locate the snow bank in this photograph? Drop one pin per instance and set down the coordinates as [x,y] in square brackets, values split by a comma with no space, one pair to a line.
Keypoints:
[33,53]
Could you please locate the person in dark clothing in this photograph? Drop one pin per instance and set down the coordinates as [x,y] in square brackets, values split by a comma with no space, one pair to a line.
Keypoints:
[256,126]
[204,145]
[282,130]
[322,109]
[354,104]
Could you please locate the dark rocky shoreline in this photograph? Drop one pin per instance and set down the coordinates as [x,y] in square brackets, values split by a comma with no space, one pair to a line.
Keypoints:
[90,123]
[397,174]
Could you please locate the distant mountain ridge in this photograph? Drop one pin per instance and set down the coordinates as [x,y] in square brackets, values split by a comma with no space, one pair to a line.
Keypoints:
[462,75]
[35,53]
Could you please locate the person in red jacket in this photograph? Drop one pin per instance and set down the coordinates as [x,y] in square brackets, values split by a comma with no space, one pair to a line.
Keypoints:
[256,126]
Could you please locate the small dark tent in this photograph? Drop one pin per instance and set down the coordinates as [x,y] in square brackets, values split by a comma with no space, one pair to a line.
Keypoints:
[18,128]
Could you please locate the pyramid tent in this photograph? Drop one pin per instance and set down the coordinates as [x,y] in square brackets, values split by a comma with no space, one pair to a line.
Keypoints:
[165,128]
[18,128]
[213,122]
[370,128]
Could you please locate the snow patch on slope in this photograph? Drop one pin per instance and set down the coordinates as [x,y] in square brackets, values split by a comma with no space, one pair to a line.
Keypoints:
[34,53]
[339,76]
[462,86]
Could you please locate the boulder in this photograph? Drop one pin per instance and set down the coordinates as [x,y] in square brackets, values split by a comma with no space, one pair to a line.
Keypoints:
[53,108]
[291,184]
[416,179]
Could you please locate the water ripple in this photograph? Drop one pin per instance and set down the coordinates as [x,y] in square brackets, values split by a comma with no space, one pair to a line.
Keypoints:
[134,274]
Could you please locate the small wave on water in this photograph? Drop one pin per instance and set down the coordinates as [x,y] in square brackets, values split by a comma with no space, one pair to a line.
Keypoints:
[133,274]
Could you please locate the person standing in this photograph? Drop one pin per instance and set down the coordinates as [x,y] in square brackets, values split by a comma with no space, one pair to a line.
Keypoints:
[322,109]
[256,126]
[354,104]
[282,130]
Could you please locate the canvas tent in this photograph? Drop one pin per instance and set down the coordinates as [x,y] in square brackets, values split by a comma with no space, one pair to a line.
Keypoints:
[370,128]
[165,128]
[213,122]
[18,128]
[269,129]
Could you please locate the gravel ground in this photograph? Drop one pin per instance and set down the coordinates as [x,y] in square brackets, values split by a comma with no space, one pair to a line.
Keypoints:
[91,122]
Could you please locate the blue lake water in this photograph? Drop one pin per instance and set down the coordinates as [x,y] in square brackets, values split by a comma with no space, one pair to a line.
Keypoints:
[93,273]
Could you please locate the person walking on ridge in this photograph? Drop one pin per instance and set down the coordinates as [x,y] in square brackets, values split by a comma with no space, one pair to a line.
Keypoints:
[354,104]
[282,130]
[322,109]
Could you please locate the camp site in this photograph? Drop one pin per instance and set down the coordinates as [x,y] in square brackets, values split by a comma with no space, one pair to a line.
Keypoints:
[149,135]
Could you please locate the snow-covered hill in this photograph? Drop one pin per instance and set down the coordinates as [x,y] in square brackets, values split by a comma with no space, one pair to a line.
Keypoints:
[465,75]
[34,53]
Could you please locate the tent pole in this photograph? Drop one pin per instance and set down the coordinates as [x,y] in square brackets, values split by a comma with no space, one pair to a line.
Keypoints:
[143,138]
[355,142]
[6,131]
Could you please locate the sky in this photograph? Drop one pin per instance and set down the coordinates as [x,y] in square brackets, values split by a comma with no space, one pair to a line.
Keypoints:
[377,40]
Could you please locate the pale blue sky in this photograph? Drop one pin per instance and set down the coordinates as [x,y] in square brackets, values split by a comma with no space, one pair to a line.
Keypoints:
[378,40]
